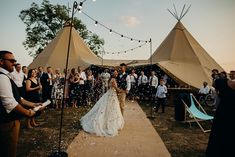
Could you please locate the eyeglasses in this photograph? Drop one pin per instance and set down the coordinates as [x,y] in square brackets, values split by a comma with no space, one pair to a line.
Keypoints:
[10,60]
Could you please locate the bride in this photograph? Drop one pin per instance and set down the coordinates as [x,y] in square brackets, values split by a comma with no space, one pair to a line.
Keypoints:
[105,118]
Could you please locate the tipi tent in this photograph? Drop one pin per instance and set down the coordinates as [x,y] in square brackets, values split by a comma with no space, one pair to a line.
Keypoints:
[183,58]
[55,53]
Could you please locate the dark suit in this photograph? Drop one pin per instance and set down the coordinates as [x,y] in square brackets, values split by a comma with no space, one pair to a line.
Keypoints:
[46,87]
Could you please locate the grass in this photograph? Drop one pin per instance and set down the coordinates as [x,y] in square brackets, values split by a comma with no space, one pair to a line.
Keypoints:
[179,138]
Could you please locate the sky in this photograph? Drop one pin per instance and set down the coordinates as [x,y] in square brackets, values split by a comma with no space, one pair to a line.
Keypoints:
[211,22]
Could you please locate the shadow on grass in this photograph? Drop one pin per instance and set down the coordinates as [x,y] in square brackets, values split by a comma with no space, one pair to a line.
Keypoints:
[180,139]
[43,140]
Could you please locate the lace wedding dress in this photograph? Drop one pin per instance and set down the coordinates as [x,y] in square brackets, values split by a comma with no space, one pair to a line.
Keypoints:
[105,118]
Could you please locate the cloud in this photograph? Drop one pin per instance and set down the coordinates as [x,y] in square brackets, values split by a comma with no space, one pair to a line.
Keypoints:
[130,21]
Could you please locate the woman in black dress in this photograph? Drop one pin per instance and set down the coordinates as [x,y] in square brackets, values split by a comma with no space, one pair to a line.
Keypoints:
[221,141]
[33,88]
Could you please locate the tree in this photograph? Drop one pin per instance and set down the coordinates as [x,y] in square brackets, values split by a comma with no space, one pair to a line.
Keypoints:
[44,21]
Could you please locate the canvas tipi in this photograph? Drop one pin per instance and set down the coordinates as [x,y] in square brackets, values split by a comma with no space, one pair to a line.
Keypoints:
[183,58]
[55,53]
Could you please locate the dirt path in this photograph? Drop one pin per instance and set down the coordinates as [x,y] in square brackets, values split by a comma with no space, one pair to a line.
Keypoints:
[137,139]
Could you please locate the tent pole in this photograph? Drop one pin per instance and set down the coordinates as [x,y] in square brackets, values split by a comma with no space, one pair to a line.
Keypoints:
[151,116]
[103,58]
[61,153]
[151,62]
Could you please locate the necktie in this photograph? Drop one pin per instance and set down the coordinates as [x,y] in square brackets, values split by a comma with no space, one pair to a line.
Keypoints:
[141,80]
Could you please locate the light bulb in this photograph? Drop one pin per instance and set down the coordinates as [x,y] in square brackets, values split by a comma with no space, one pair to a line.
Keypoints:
[80,5]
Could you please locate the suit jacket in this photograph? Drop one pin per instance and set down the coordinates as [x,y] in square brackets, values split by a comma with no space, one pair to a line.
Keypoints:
[44,80]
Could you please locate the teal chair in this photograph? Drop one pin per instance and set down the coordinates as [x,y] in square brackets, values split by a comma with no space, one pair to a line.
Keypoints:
[196,114]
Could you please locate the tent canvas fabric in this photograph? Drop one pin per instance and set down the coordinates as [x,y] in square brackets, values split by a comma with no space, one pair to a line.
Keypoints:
[179,55]
[183,58]
[55,53]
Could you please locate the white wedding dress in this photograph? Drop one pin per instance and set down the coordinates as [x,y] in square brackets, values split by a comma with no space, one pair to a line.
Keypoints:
[105,118]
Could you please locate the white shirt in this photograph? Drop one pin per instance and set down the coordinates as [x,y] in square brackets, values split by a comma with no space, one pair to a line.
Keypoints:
[142,80]
[133,78]
[204,90]
[161,91]
[165,78]
[153,82]
[6,94]
[50,76]
[83,76]
[17,77]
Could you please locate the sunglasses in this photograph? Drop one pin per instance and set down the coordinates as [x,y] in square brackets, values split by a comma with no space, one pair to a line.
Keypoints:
[10,60]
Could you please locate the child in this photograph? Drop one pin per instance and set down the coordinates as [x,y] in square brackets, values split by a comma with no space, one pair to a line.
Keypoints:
[161,95]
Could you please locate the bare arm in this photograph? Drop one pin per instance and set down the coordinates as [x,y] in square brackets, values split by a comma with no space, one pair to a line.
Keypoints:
[114,84]
[28,103]
[22,110]
[28,86]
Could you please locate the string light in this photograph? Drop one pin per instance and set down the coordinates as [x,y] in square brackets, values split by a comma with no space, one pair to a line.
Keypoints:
[125,51]
[115,32]
[112,31]
[80,5]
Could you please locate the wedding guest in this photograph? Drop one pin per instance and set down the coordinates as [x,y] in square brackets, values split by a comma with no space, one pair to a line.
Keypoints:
[89,85]
[74,79]
[153,83]
[97,88]
[223,75]
[32,94]
[203,91]
[133,90]
[47,83]
[105,76]
[57,89]
[11,107]
[231,83]
[67,89]
[165,78]
[142,85]
[161,96]
[82,79]
[214,75]
[222,132]
[25,72]
[18,77]
[40,72]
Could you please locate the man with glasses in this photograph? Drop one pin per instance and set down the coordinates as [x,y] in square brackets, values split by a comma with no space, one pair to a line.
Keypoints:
[11,109]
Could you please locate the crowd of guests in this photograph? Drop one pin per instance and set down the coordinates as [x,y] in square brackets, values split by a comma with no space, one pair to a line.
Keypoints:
[13,106]
[83,87]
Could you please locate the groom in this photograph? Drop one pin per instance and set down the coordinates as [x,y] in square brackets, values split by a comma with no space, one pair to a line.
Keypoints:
[124,85]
